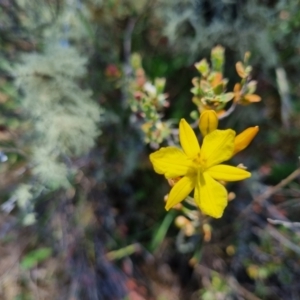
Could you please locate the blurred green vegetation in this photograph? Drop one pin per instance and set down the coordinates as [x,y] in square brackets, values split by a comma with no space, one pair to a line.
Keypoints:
[82,211]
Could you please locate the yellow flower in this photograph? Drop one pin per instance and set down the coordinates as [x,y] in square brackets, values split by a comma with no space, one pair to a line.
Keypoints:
[199,168]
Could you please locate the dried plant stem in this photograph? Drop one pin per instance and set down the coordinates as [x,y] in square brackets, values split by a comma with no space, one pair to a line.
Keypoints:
[229,111]
[292,225]
[284,91]
[274,233]
[271,191]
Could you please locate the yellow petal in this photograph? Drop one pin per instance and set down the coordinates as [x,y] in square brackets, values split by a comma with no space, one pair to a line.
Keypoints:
[208,122]
[210,195]
[227,173]
[217,147]
[180,190]
[188,139]
[171,161]
[243,139]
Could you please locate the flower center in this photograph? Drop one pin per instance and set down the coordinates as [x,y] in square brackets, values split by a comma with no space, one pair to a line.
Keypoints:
[200,162]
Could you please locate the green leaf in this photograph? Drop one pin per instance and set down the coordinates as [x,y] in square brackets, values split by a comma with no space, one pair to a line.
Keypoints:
[34,257]
[162,230]
[203,67]
[224,98]
[217,58]
[251,87]
[218,89]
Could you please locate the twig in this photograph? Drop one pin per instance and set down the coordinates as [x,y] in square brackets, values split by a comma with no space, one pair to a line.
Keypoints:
[284,91]
[280,238]
[229,111]
[287,224]
[272,190]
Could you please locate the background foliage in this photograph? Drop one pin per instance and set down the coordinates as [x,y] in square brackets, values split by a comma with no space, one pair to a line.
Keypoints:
[82,212]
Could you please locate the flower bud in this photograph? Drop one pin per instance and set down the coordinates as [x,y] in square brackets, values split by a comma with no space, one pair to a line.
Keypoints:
[181,221]
[243,139]
[208,122]
[206,232]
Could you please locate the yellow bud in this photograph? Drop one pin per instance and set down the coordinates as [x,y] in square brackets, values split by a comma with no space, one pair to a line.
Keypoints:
[189,229]
[231,196]
[252,271]
[207,232]
[181,221]
[230,250]
[243,139]
[208,122]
